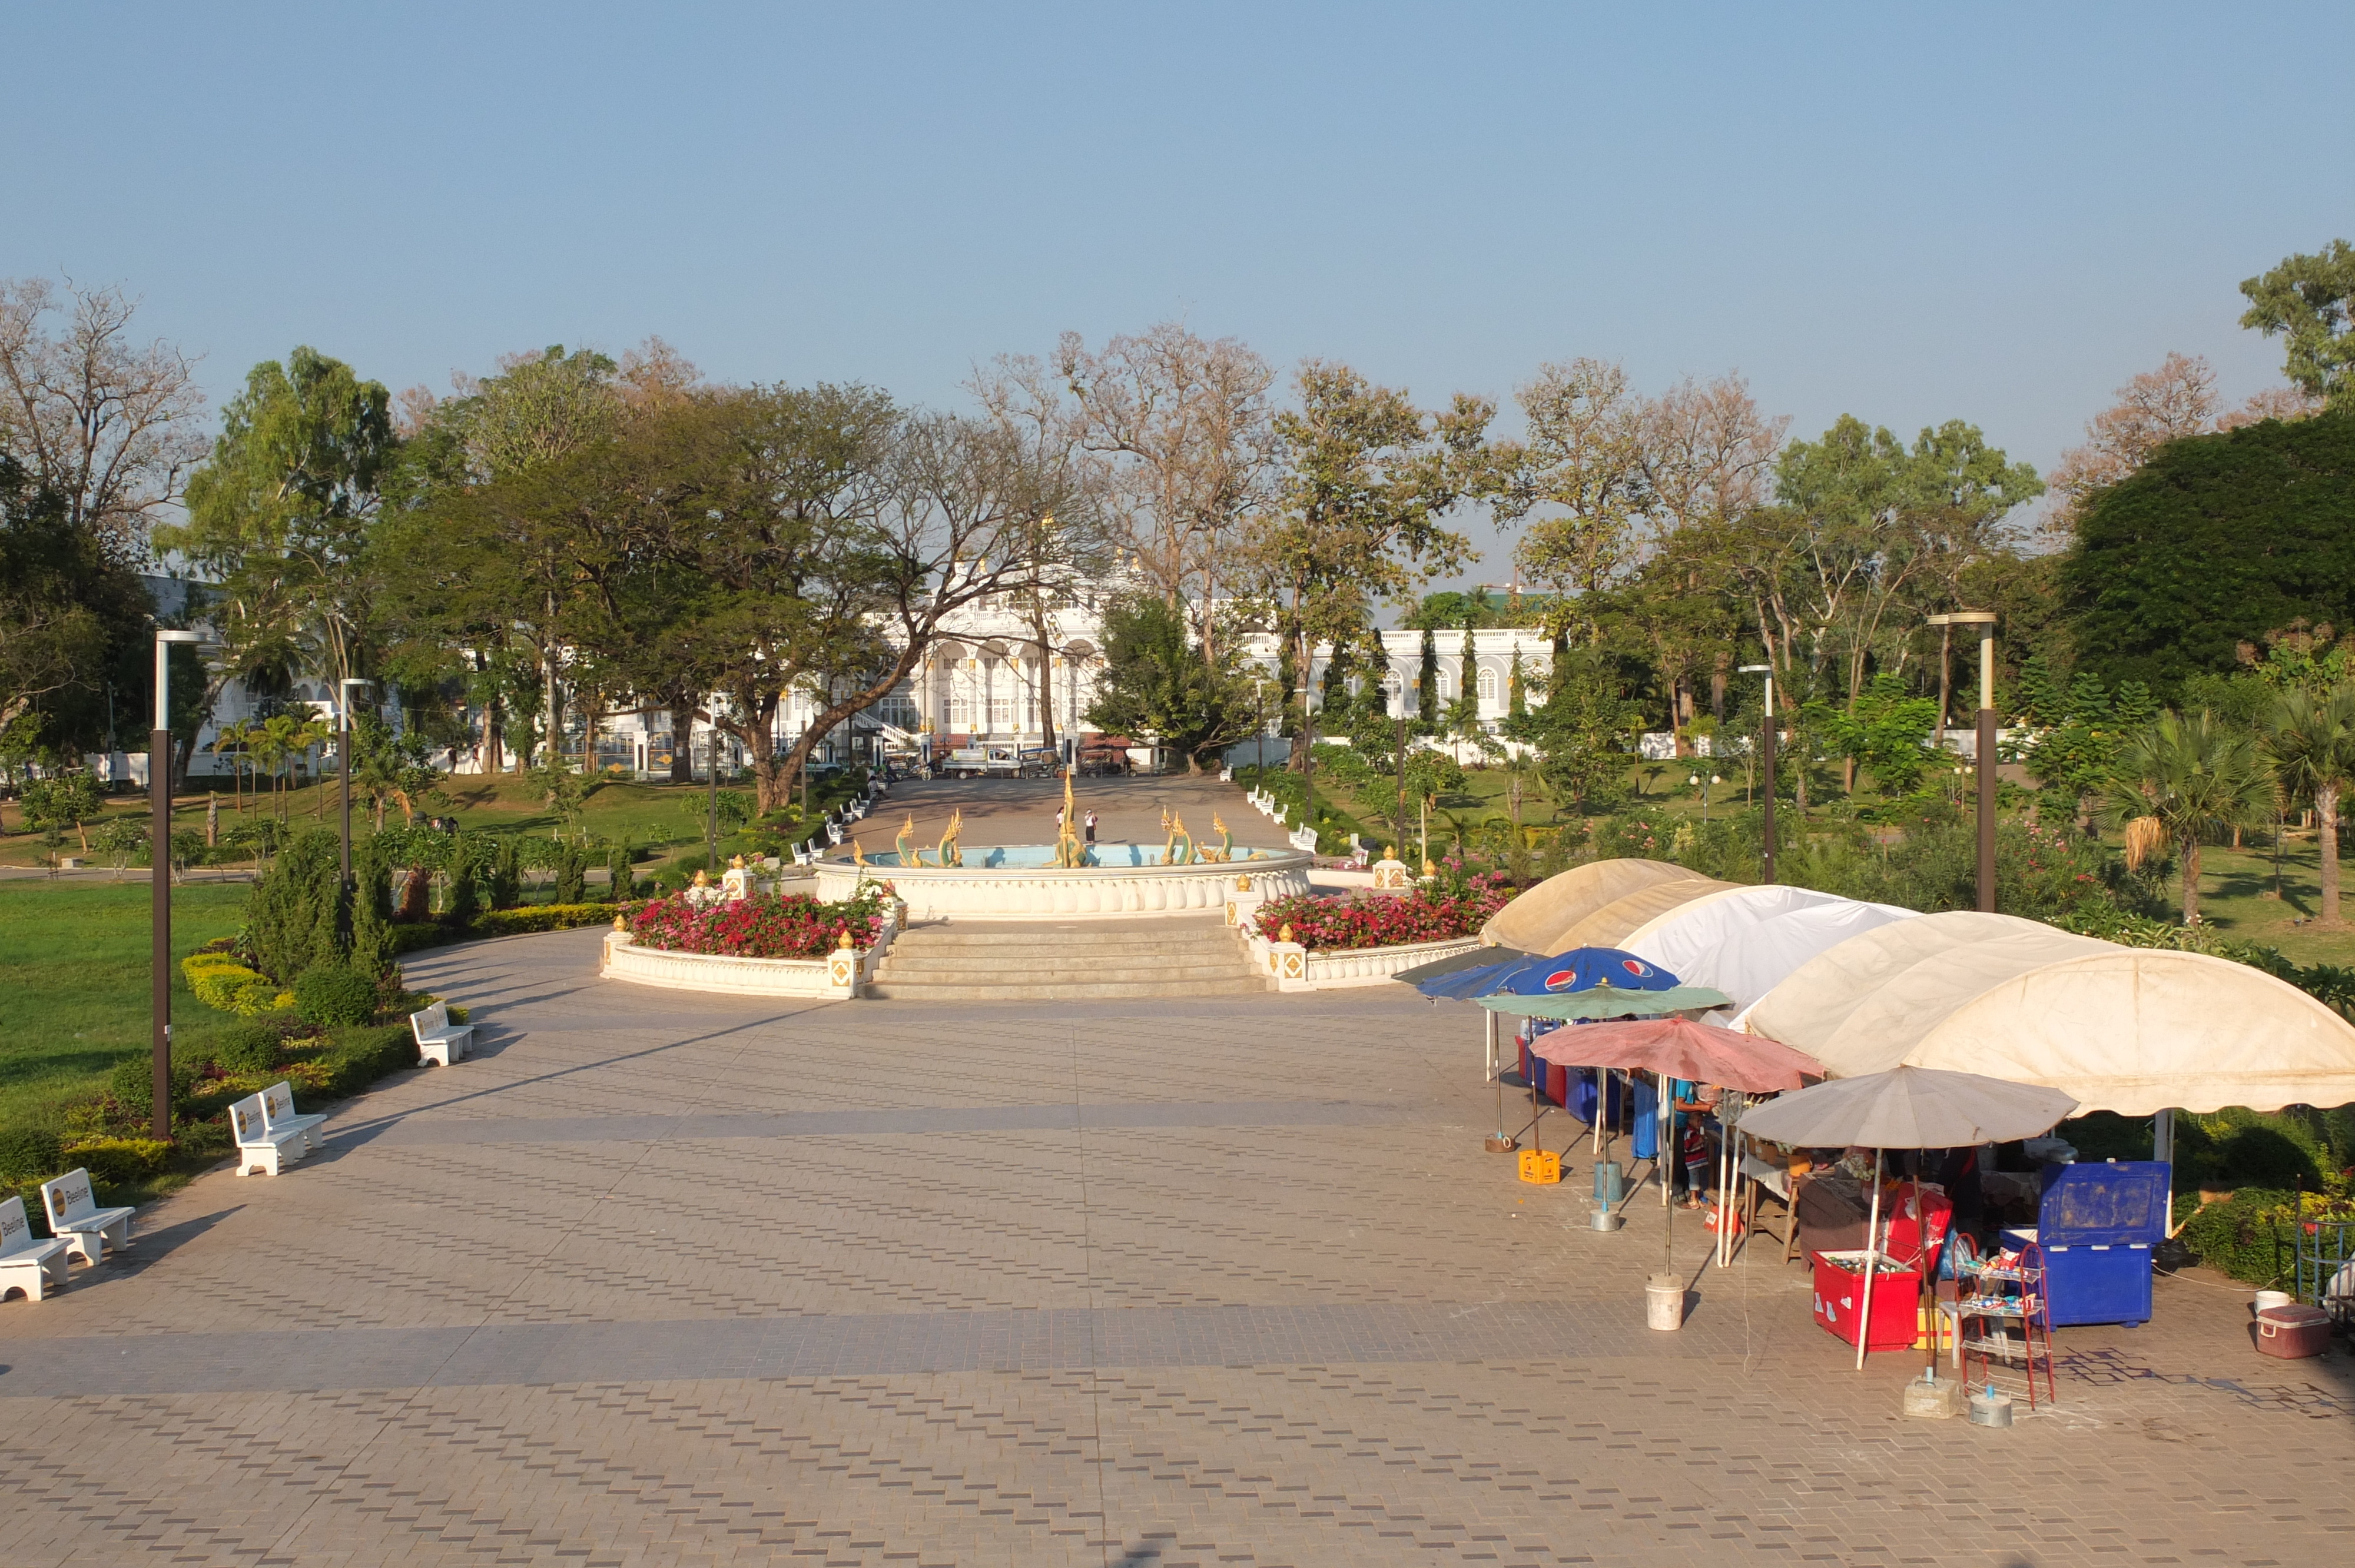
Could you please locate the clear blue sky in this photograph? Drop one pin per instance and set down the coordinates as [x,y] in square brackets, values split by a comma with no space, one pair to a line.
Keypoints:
[1985,212]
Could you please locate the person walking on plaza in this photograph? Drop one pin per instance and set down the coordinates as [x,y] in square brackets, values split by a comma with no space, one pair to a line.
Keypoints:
[1092,825]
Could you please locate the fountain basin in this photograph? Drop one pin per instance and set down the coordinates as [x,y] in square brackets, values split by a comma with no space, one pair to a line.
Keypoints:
[1015,882]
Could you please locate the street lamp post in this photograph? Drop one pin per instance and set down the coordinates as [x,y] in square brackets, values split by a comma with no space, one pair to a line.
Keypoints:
[1768,760]
[344,763]
[159,855]
[1984,620]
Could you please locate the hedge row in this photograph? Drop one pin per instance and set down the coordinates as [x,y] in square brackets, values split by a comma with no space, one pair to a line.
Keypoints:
[516,922]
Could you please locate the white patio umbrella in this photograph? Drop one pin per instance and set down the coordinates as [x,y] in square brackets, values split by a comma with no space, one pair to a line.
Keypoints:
[1906,1108]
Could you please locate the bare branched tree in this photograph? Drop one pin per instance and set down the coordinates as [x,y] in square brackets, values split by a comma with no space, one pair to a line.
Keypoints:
[1184,427]
[110,424]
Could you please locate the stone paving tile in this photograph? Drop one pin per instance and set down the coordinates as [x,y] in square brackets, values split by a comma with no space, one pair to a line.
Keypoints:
[664,1280]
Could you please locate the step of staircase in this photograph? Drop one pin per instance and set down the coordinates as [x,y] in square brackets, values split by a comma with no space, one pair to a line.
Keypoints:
[1043,960]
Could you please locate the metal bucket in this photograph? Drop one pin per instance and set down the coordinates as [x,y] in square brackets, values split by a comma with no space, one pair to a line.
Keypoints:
[1610,1181]
[1606,1220]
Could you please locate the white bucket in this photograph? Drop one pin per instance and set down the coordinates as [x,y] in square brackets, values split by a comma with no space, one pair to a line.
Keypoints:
[2274,1298]
[1664,1302]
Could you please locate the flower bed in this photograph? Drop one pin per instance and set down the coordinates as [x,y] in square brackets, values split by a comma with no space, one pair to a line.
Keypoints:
[1385,920]
[763,926]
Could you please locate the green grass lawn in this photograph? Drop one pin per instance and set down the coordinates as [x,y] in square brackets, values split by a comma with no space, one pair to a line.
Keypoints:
[74,980]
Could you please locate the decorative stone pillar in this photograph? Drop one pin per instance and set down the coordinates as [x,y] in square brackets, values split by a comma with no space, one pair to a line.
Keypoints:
[842,967]
[1391,873]
[1242,905]
[1288,961]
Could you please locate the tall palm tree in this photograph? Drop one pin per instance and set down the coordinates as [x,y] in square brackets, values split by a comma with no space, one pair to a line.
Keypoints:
[274,744]
[2179,778]
[2310,740]
[231,739]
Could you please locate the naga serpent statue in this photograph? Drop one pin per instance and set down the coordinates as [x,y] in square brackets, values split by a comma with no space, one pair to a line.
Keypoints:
[1069,854]
[1226,850]
[946,850]
[906,842]
[1174,854]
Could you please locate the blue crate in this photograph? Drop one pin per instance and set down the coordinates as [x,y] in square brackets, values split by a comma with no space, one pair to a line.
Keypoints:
[2093,1282]
[2114,1202]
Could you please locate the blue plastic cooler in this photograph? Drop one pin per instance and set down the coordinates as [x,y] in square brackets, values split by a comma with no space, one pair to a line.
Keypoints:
[2096,1227]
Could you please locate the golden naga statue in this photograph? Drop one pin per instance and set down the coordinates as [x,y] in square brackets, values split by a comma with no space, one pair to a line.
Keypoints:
[1226,850]
[1181,848]
[858,856]
[1070,852]
[947,852]
[906,842]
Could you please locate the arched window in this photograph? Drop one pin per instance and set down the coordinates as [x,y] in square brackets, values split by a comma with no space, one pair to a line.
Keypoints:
[1487,684]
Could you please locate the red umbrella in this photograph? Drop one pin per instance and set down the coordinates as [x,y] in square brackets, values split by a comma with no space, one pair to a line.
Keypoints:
[1679,1048]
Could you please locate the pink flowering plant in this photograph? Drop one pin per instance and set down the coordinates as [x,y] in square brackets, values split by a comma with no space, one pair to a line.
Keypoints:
[762,926]
[1428,914]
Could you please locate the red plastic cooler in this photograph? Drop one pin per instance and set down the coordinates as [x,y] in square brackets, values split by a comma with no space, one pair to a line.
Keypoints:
[1839,1301]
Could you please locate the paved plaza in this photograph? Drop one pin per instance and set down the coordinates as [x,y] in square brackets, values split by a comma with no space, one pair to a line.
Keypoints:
[659,1278]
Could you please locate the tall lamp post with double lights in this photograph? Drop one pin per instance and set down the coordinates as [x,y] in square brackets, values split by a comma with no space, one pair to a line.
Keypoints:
[159,857]
[343,762]
[1984,620]
[1768,761]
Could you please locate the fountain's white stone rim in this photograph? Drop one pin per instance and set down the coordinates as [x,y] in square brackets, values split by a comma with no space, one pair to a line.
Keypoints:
[1107,892]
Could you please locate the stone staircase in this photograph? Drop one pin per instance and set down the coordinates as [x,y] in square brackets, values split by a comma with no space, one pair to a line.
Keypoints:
[1040,961]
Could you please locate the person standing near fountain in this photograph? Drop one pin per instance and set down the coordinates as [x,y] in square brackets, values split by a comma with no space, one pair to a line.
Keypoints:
[1092,827]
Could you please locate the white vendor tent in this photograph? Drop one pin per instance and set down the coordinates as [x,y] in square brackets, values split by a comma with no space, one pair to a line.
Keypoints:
[1745,941]
[2129,1029]
[1595,904]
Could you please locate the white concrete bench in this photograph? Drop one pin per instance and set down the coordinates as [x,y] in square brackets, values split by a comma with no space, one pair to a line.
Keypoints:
[258,1148]
[277,1114]
[25,1264]
[438,1038]
[76,1219]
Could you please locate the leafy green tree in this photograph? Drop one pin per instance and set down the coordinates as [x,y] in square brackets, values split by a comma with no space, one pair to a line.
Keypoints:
[2179,779]
[1426,683]
[1577,731]
[2217,541]
[2310,741]
[2082,728]
[1885,729]
[1367,481]
[71,799]
[390,768]
[1154,683]
[2307,301]
[279,517]
[73,616]
[120,840]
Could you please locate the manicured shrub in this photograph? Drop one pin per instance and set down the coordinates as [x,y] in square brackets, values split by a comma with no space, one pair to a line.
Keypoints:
[298,915]
[572,875]
[333,994]
[465,894]
[424,933]
[132,1083]
[371,907]
[2242,1235]
[617,865]
[119,1161]
[247,1047]
[542,918]
[502,885]
[358,1056]
[29,1154]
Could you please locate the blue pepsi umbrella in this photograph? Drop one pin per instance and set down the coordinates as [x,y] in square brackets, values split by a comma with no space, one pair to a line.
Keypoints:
[1581,968]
